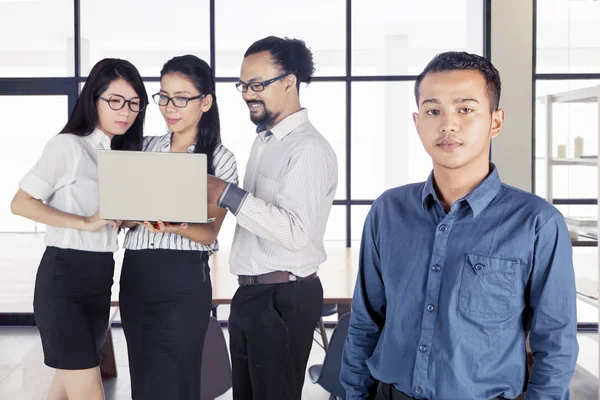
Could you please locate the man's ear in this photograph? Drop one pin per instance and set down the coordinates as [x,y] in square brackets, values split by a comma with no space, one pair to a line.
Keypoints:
[497,123]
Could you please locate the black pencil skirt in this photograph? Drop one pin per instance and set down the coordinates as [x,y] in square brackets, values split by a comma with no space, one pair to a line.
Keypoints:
[165,299]
[71,305]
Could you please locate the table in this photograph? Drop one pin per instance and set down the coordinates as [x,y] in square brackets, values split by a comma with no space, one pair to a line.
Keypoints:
[337,274]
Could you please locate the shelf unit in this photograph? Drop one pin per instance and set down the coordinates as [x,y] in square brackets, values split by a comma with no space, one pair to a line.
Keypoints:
[586,95]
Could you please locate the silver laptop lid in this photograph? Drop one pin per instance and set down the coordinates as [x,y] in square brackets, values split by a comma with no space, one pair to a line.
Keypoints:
[151,186]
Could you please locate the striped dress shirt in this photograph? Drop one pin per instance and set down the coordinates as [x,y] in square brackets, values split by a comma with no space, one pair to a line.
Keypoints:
[282,212]
[140,238]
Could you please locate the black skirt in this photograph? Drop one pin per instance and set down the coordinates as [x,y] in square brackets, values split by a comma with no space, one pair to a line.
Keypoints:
[165,301]
[71,305]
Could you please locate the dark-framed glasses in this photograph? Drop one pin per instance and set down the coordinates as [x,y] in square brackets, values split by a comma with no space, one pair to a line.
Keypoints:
[117,102]
[177,101]
[257,86]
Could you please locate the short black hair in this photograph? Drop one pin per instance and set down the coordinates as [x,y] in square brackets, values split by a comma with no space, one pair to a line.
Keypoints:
[461,60]
[292,56]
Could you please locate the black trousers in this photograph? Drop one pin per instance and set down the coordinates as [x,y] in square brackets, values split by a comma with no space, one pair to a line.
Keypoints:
[271,332]
[165,302]
[389,392]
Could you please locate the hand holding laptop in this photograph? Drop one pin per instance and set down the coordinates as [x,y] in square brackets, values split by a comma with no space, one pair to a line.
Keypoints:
[165,227]
[94,222]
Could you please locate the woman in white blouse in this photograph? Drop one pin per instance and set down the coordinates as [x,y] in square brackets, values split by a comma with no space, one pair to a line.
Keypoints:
[73,282]
[165,290]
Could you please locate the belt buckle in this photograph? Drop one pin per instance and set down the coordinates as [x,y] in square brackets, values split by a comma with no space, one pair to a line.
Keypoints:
[254,279]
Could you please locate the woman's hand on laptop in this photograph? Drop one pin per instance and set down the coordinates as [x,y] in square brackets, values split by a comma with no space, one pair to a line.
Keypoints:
[165,227]
[94,223]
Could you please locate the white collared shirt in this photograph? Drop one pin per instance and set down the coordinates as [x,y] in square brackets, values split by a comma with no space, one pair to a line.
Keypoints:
[140,238]
[66,178]
[291,179]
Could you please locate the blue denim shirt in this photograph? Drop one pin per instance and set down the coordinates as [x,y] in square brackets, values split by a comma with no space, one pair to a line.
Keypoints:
[444,301]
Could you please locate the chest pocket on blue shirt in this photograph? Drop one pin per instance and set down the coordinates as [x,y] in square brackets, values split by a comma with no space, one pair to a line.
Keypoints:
[486,286]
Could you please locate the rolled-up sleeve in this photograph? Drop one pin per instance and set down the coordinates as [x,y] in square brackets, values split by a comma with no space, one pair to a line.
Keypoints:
[55,169]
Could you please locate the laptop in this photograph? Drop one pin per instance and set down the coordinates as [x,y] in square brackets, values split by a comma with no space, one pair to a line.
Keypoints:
[152,186]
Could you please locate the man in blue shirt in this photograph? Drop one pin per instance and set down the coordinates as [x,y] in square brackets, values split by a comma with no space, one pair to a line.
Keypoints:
[456,271]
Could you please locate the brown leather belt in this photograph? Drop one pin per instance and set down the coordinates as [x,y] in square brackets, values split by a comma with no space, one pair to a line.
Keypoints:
[271,278]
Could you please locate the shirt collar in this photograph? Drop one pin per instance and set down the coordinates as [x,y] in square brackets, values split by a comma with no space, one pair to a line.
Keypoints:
[166,143]
[285,126]
[478,199]
[99,140]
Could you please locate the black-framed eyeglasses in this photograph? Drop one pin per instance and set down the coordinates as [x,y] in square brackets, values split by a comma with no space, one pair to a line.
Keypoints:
[117,102]
[257,86]
[178,101]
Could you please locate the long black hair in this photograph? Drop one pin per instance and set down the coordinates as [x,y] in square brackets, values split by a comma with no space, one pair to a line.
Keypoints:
[84,118]
[209,126]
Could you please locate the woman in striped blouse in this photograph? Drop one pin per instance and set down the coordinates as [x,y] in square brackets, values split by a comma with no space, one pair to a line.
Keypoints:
[165,295]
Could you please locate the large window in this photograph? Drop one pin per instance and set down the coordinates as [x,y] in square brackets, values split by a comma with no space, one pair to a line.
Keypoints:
[367,55]
[567,54]
[34,45]
[567,37]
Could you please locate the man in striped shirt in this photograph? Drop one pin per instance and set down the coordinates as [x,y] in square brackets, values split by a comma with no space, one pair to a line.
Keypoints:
[281,213]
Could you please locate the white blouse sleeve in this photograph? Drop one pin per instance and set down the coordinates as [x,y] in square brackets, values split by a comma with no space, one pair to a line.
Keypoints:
[55,169]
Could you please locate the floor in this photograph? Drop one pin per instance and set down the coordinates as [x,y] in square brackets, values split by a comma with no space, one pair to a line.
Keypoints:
[23,375]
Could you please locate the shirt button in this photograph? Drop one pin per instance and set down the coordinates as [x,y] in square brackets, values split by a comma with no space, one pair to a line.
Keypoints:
[478,267]
[443,228]
[430,308]
[436,268]
[418,390]
[423,348]
[151,244]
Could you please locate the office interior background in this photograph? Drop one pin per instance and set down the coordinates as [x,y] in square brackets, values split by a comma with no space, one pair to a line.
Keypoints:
[367,55]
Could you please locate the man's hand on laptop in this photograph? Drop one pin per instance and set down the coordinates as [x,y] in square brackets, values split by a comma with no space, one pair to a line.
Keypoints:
[215,188]
[160,226]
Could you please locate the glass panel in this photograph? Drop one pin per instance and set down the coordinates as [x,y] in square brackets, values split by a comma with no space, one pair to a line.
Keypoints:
[569,120]
[568,36]
[324,31]
[399,37]
[335,233]
[154,36]
[585,262]
[386,149]
[155,124]
[326,104]
[359,215]
[23,142]
[41,38]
